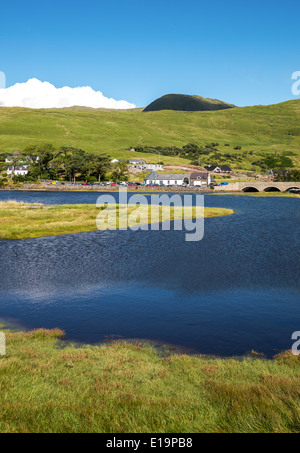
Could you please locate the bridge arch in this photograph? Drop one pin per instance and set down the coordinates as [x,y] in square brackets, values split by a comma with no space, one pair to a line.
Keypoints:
[293,188]
[271,189]
[250,189]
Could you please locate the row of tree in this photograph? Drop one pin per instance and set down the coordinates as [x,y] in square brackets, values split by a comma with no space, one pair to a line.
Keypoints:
[189,151]
[271,162]
[287,175]
[67,163]
[198,155]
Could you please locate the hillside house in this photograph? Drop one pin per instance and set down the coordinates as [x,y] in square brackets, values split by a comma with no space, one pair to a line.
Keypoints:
[144,167]
[136,161]
[130,161]
[155,167]
[31,159]
[218,168]
[19,170]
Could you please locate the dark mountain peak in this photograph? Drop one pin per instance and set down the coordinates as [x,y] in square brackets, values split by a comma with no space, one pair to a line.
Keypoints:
[185,102]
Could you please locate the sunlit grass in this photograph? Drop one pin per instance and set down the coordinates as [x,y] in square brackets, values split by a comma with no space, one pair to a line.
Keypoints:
[25,220]
[262,129]
[121,387]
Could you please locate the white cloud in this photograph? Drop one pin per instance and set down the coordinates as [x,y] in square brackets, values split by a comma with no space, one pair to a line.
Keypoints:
[36,94]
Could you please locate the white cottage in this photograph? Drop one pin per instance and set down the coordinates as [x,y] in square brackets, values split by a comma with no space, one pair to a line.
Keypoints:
[167,180]
[19,170]
[201,179]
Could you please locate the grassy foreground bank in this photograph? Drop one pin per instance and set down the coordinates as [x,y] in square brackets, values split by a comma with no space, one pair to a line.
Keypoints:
[47,387]
[25,220]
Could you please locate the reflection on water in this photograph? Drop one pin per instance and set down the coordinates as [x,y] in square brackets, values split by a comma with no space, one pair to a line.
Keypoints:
[236,290]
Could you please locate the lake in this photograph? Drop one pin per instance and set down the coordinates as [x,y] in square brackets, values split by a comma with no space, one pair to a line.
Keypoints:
[234,291]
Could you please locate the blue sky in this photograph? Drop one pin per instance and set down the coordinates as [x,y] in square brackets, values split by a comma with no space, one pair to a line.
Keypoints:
[236,51]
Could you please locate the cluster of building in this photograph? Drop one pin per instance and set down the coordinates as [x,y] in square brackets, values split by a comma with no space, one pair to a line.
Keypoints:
[138,164]
[141,165]
[200,178]
[22,168]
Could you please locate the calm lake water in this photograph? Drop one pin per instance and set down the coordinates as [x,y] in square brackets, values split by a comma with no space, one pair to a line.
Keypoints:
[234,291]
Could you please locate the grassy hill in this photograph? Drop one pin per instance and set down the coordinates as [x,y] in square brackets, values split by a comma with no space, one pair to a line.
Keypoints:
[186,103]
[263,129]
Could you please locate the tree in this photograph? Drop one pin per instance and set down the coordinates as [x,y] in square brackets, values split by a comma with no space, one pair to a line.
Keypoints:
[283,174]
[89,168]
[66,161]
[102,164]
[45,152]
[75,163]
[55,165]
[120,172]
[33,173]
[3,182]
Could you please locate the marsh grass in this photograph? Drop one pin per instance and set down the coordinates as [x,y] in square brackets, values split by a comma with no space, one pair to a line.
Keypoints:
[25,220]
[51,386]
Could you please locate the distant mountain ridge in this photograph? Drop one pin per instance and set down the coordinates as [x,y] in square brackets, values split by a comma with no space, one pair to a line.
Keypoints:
[187,103]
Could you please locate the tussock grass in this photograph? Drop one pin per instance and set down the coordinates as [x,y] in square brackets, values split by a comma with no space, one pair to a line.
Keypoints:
[47,386]
[25,220]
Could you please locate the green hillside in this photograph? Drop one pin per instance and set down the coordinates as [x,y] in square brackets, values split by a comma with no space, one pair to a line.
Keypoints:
[262,129]
[186,103]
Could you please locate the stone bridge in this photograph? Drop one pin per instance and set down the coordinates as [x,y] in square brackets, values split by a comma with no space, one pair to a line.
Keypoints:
[259,186]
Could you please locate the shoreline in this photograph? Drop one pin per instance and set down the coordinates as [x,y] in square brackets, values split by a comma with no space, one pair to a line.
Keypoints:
[166,349]
[104,189]
[150,190]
